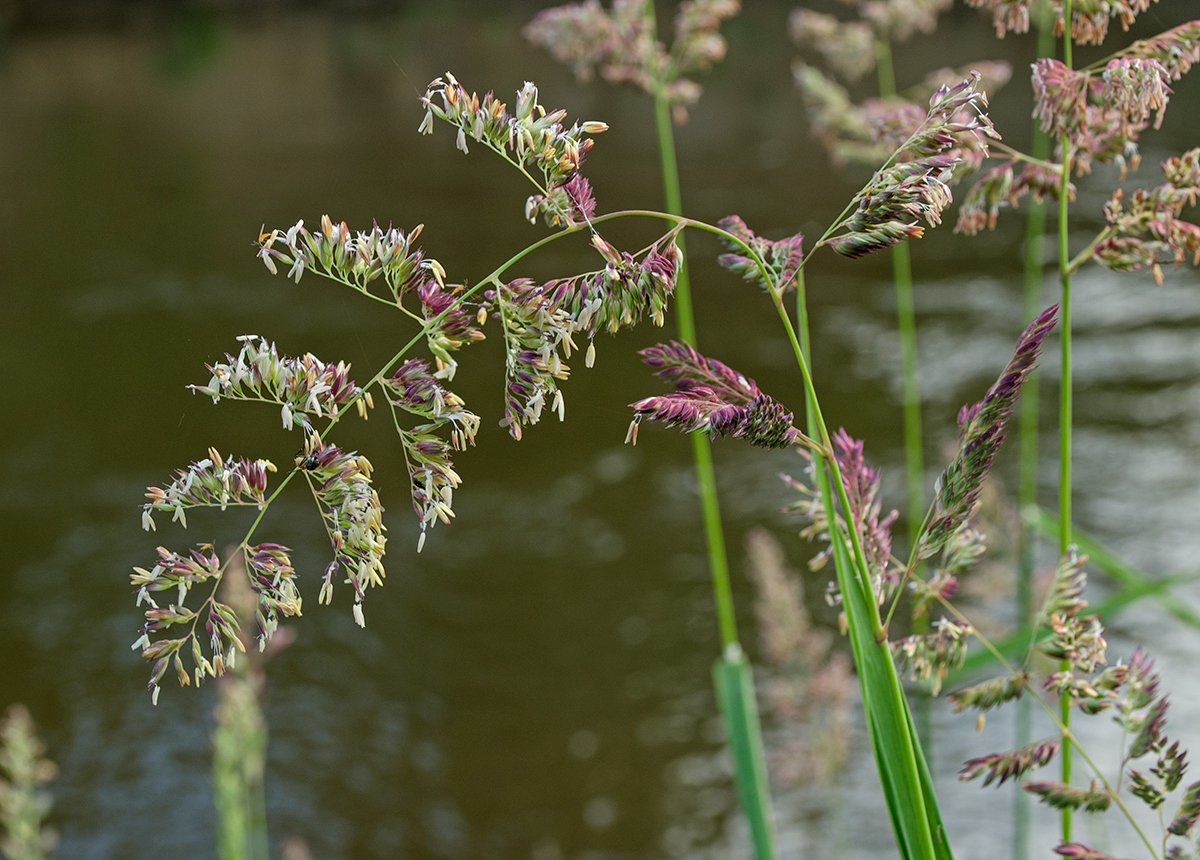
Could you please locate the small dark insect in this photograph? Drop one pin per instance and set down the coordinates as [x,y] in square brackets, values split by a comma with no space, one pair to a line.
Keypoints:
[312,461]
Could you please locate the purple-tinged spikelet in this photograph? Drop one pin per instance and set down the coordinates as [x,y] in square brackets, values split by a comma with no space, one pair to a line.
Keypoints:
[528,137]
[712,398]
[782,257]
[931,656]
[981,432]
[214,482]
[1060,796]
[303,387]
[991,693]
[540,320]
[1001,767]
[1177,49]
[1078,851]
[1188,814]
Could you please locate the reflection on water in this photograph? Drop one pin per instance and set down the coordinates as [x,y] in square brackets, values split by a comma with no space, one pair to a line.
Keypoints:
[535,683]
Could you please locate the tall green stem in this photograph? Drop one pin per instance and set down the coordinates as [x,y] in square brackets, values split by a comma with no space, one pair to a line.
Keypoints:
[1064,395]
[1035,230]
[733,677]
[701,447]
[906,325]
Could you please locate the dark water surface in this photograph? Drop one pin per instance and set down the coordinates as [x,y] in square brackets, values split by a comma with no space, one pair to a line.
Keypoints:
[535,683]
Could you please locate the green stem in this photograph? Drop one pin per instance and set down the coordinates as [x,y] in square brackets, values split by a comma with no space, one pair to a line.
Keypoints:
[906,326]
[701,447]
[1035,230]
[1065,403]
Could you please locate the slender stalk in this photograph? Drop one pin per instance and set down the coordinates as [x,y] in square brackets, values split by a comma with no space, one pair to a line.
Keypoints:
[1027,454]
[1065,403]
[906,326]
[701,447]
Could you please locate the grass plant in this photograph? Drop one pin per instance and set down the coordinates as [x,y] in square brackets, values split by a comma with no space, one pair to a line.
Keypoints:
[1095,115]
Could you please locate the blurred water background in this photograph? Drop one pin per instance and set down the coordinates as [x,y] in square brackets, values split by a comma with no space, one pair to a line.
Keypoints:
[536,682]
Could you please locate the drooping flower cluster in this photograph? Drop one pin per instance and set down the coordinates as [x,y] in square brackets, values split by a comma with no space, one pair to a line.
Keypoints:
[711,398]
[621,43]
[1150,232]
[1001,767]
[781,257]
[214,482]
[1001,186]
[528,137]
[268,567]
[179,573]
[1100,117]
[304,387]
[1176,49]
[360,259]
[1089,18]
[1130,691]
[981,432]
[900,194]
[931,656]
[341,483]
[356,259]
[432,479]
[541,319]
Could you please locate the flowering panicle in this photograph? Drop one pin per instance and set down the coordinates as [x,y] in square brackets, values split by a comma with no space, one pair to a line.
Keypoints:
[1092,799]
[1176,49]
[981,432]
[1074,637]
[899,20]
[360,259]
[902,193]
[862,484]
[214,482]
[177,574]
[711,398]
[990,693]
[272,577]
[1006,14]
[782,257]
[998,187]
[1101,116]
[541,319]
[621,43]
[931,656]
[1185,819]
[432,479]
[341,484]
[415,389]
[303,387]
[25,772]
[449,324]
[1001,767]
[356,259]
[1089,18]
[528,137]
[1150,232]
[848,48]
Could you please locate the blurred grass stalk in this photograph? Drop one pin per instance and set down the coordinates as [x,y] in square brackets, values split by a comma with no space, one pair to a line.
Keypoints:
[733,677]
[24,802]
[240,742]
[1065,419]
